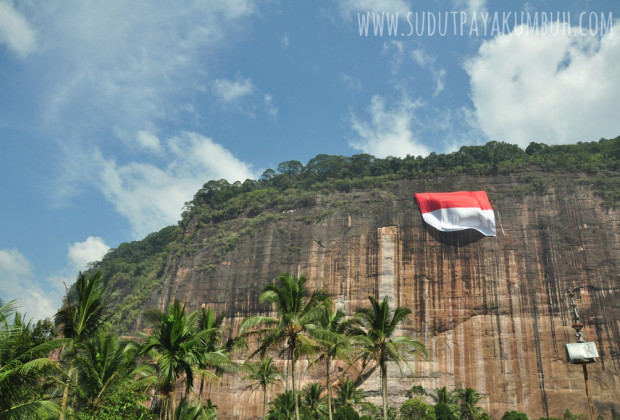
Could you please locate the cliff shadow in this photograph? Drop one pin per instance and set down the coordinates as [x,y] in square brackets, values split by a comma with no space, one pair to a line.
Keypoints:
[455,239]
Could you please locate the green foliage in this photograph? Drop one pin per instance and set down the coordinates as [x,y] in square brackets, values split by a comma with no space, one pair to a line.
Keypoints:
[414,391]
[570,416]
[371,411]
[122,403]
[514,415]
[296,309]
[133,269]
[315,403]
[80,316]
[263,375]
[176,347]
[348,395]
[331,334]
[24,366]
[375,335]
[101,362]
[417,409]
[445,411]
[192,410]
[468,399]
[283,408]
[346,412]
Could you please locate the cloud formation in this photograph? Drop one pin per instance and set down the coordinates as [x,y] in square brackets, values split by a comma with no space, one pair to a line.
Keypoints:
[40,298]
[424,60]
[151,197]
[389,131]
[119,64]
[350,8]
[553,88]
[80,254]
[229,91]
[17,281]
[15,31]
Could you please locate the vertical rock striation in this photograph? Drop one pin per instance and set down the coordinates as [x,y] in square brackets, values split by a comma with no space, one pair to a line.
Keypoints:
[493,312]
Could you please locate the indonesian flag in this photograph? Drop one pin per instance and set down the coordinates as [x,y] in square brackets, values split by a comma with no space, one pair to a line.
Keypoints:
[460,210]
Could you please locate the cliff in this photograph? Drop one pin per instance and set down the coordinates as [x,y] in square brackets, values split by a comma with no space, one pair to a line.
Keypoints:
[493,311]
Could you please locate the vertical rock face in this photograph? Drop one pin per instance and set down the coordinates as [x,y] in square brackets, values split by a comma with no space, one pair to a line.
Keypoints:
[492,311]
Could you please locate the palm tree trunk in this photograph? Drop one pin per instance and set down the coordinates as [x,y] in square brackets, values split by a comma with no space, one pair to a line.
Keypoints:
[65,393]
[329,388]
[264,402]
[173,401]
[293,380]
[384,388]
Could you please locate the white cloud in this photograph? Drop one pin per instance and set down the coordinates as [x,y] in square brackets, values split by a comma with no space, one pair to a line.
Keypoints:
[40,299]
[148,141]
[229,91]
[352,83]
[242,95]
[397,55]
[271,109]
[17,282]
[80,254]
[390,131]
[350,8]
[470,6]
[151,197]
[119,65]
[285,41]
[424,60]
[530,86]
[105,71]
[15,31]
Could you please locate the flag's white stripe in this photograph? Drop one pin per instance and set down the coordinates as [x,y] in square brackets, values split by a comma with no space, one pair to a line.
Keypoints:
[461,218]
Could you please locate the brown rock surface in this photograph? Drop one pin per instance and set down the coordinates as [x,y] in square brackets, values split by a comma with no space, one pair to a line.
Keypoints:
[493,311]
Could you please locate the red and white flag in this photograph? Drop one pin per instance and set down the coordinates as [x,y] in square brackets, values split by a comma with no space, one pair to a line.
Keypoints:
[460,210]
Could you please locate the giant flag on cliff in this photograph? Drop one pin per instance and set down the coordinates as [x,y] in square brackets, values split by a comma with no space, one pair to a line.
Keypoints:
[460,210]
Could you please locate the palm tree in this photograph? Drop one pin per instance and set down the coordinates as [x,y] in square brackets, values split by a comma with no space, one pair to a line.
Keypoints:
[296,313]
[176,349]
[445,403]
[332,342]
[282,407]
[264,375]
[215,355]
[79,318]
[375,334]
[103,362]
[22,366]
[442,395]
[468,398]
[348,394]
[188,410]
[314,401]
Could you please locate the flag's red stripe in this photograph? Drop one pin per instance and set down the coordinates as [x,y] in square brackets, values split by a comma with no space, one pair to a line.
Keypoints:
[435,201]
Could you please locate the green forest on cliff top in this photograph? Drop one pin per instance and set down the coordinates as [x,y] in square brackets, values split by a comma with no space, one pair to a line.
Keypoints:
[133,269]
[95,374]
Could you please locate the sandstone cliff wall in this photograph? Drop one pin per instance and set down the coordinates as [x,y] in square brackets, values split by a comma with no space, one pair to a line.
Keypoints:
[493,312]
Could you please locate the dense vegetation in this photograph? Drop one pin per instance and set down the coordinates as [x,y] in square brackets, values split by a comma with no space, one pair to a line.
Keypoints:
[295,185]
[231,212]
[77,368]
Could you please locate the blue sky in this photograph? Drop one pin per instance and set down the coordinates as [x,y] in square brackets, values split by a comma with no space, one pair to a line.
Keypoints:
[113,114]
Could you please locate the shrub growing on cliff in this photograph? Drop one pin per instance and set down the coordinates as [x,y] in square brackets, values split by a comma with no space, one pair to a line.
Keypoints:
[417,409]
[346,413]
[514,415]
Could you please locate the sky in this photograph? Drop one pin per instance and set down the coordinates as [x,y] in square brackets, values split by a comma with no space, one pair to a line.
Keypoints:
[113,114]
